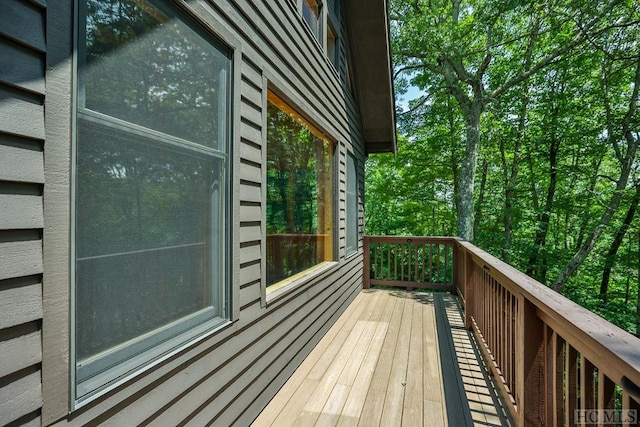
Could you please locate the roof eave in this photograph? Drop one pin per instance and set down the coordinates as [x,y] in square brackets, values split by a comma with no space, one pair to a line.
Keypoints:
[371,60]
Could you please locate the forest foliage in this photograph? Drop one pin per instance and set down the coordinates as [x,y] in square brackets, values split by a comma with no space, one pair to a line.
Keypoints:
[518,129]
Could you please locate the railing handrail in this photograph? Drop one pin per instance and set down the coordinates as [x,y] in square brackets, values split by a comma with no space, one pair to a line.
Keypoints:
[585,329]
[414,239]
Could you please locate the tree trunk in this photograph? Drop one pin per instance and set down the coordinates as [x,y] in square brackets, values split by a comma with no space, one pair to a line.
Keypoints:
[468,171]
[483,184]
[539,251]
[585,218]
[615,246]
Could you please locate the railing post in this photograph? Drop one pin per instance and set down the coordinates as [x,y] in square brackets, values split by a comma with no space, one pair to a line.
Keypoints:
[366,279]
[469,289]
[456,268]
[530,365]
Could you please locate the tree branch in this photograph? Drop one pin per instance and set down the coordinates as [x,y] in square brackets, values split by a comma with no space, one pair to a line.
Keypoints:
[552,57]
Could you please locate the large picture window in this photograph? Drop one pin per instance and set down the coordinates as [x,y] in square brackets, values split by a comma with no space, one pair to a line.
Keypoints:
[151,197]
[299,194]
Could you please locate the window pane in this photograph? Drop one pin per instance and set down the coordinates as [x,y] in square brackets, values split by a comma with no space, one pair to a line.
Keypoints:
[146,67]
[299,195]
[352,206]
[143,236]
[311,14]
[332,46]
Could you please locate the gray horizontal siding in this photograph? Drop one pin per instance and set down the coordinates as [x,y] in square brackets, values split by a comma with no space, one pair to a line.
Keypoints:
[21,160]
[22,45]
[227,378]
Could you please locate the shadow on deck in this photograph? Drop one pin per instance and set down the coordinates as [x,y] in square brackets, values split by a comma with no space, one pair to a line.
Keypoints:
[393,358]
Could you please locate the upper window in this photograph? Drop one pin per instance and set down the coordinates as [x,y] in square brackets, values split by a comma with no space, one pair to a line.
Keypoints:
[311,12]
[299,194]
[332,46]
[151,199]
[352,206]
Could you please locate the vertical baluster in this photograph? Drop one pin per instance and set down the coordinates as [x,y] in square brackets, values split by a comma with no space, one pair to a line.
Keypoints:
[494,317]
[508,338]
[606,392]
[548,375]
[587,384]
[558,369]
[437,263]
[395,261]
[415,259]
[430,263]
[471,290]
[490,325]
[422,257]
[410,260]
[446,264]
[630,404]
[571,384]
[487,318]
[388,246]
[530,365]
[501,330]
[375,260]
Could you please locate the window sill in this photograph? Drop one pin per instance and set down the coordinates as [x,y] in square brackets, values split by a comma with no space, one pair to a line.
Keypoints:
[284,287]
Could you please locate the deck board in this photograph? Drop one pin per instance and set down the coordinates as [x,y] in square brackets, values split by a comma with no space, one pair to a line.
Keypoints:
[394,358]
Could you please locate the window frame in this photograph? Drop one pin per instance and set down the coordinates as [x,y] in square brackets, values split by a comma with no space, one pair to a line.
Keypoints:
[352,224]
[272,293]
[228,287]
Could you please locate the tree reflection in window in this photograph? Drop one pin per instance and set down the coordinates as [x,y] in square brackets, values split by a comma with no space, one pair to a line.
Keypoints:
[145,68]
[150,193]
[299,194]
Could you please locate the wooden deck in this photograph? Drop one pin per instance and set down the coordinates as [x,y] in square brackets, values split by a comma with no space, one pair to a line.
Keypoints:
[393,358]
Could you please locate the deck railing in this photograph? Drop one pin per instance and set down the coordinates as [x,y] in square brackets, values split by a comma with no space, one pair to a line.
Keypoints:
[409,262]
[549,357]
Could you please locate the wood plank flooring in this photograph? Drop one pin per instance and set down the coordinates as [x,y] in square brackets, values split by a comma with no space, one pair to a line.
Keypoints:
[394,358]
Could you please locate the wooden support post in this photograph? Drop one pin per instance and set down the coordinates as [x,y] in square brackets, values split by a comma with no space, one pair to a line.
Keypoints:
[469,290]
[456,269]
[367,264]
[530,360]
